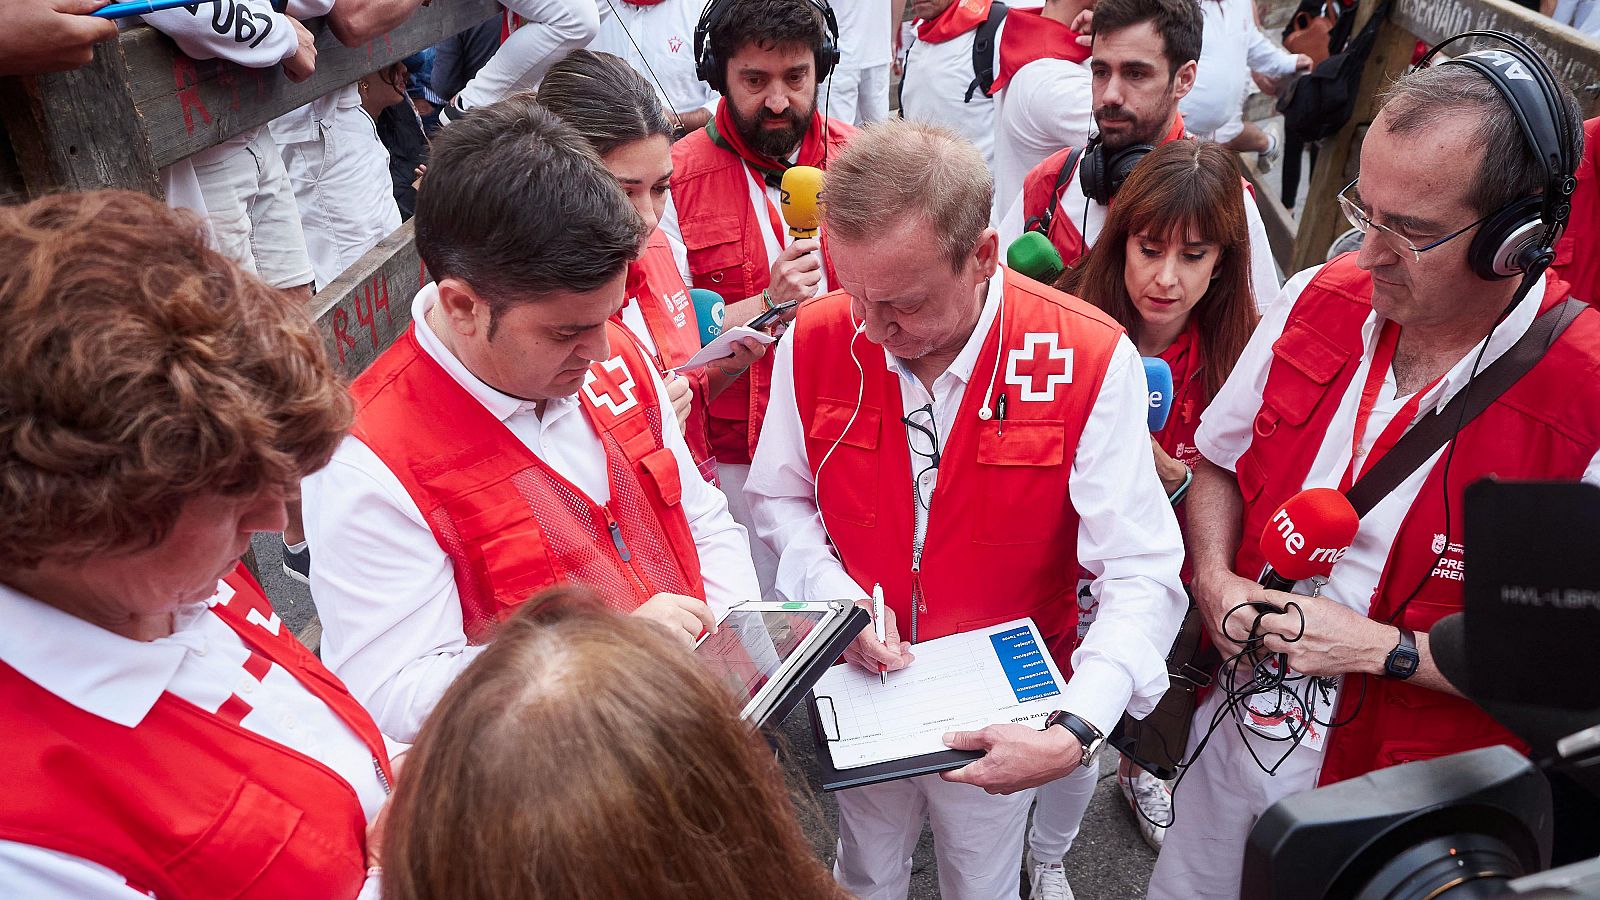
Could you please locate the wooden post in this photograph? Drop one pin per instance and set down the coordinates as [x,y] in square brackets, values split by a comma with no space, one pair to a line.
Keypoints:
[1340,155]
[78,131]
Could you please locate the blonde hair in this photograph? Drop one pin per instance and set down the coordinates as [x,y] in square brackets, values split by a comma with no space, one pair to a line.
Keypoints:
[897,170]
[140,369]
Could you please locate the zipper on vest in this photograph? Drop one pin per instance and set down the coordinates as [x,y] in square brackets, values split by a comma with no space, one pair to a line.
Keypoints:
[616,535]
[918,536]
[382,778]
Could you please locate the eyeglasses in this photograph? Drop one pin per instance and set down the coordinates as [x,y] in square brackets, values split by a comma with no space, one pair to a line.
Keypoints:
[922,433]
[1397,242]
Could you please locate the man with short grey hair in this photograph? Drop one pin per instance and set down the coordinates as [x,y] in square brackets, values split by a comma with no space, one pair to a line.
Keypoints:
[1351,357]
[966,438]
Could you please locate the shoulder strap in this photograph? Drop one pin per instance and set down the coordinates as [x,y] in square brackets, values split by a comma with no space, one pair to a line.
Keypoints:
[983,52]
[1426,437]
[1041,224]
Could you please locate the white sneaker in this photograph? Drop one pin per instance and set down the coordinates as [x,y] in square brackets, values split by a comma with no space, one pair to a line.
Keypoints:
[1049,882]
[1151,802]
[1267,158]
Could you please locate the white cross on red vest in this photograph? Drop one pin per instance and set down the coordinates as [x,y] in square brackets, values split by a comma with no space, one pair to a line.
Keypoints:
[1037,373]
[609,385]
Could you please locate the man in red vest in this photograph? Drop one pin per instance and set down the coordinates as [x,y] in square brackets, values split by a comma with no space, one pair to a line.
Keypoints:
[965,438]
[512,439]
[1145,54]
[1351,356]
[723,218]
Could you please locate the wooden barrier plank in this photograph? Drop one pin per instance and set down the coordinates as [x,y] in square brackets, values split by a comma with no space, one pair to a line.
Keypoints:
[1278,220]
[78,130]
[368,306]
[187,105]
[1573,56]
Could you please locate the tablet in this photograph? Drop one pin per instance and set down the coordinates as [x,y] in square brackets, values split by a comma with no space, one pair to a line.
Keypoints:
[770,653]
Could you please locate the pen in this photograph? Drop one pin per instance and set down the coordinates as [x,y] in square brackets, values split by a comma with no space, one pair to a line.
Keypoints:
[1000,415]
[877,628]
[138,8]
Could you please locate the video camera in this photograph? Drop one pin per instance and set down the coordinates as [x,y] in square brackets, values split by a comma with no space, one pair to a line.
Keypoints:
[1526,648]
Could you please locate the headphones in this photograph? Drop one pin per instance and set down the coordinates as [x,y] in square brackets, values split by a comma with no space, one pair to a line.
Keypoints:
[1520,237]
[1100,177]
[708,67]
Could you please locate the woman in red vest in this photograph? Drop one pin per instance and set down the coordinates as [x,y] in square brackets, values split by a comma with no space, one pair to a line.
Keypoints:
[620,114]
[512,792]
[1172,266]
[166,735]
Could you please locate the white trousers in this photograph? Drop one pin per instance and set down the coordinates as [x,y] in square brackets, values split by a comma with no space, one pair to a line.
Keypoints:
[1216,804]
[857,96]
[977,838]
[342,187]
[253,211]
[1058,813]
[732,478]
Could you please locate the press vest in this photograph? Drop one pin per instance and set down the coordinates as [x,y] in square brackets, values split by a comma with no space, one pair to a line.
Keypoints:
[656,285]
[186,804]
[1536,430]
[510,523]
[722,237]
[1002,534]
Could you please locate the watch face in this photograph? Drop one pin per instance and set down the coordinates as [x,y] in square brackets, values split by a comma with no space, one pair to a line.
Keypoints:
[1403,665]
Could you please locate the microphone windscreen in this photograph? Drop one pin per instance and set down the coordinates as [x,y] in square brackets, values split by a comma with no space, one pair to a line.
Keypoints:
[708,310]
[801,196]
[1309,533]
[1158,377]
[1033,255]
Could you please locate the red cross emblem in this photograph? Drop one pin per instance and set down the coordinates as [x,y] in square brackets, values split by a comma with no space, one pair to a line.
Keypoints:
[1039,373]
[610,385]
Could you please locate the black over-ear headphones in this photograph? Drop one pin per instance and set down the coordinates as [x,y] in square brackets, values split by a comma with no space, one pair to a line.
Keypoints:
[1520,237]
[709,67]
[1099,176]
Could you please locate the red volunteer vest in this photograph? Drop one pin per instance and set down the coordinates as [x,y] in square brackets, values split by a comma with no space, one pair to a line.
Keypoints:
[511,524]
[656,285]
[186,804]
[1576,260]
[722,236]
[1534,430]
[1002,538]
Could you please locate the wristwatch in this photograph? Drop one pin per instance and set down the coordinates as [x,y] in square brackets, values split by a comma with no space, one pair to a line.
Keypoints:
[1403,659]
[1088,736]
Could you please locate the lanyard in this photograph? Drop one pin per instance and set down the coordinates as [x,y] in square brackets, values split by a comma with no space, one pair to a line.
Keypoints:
[1382,361]
[773,219]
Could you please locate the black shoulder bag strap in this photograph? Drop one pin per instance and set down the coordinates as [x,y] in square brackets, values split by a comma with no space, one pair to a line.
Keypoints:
[1041,222]
[983,52]
[1425,438]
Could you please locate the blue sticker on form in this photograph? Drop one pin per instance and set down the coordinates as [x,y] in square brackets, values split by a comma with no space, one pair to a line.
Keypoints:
[1024,663]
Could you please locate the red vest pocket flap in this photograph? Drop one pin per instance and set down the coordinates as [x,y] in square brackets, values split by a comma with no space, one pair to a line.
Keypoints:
[662,469]
[830,418]
[235,849]
[1315,356]
[711,230]
[1023,443]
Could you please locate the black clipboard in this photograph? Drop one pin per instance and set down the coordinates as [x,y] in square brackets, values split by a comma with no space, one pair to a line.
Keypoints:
[807,675]
[835,779]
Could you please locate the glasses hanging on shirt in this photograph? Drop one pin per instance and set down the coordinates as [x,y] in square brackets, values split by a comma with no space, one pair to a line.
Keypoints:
[922,433]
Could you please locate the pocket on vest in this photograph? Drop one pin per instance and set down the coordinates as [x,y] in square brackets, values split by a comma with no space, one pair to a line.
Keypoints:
[236,849]
[1019,470]
[854,500]
[1310,364]
[506,544]
[660,468]
[715,251]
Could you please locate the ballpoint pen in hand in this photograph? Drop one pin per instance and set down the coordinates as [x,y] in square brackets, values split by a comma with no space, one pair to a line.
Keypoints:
[877,628]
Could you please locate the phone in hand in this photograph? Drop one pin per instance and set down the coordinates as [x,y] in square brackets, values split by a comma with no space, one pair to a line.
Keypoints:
[773,315]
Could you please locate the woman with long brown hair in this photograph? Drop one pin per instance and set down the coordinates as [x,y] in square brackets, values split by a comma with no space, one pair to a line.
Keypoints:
[585,754]
[1172,266]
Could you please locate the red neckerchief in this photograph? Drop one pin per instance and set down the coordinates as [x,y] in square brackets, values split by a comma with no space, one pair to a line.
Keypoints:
[1029,36]
[1185,359]
[725,134]
[957,19]
[1382,360]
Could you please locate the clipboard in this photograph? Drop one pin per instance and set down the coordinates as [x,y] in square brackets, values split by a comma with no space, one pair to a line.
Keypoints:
[835,779]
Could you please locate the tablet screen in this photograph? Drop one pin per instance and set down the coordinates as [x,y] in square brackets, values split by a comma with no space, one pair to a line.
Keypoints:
[751,645]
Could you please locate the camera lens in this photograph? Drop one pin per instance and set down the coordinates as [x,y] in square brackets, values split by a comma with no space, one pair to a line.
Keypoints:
[1453,867]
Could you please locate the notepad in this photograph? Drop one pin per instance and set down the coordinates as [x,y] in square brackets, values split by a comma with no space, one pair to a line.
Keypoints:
[958,683]
[722,347]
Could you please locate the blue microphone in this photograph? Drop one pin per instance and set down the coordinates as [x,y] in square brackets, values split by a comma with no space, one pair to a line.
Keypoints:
[1158,377]
[708,309]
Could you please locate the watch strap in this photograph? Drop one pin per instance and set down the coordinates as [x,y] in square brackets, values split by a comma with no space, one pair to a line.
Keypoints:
[1404,659]
[1089,737]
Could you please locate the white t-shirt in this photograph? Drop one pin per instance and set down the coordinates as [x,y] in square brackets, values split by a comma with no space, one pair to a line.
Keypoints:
[934,89]
[1047,105]
[1231,48]
[665,34]
[864,32]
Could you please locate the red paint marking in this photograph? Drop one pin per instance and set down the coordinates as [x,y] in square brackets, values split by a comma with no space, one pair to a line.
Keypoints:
[363,299]
[341,333]
[187,81]
[229,78]
[381,300]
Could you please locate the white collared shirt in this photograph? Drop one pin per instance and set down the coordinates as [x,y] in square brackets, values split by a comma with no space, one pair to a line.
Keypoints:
[1047,105]
[120,680]
[1089,218]
[1226,431]
[1127,535]
[386,590]
[658,42]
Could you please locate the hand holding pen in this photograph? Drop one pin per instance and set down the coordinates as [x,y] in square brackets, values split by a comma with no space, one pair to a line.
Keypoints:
[869,651]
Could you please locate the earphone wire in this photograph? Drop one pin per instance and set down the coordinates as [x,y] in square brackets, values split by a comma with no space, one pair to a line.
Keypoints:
[666,101]
[861,393]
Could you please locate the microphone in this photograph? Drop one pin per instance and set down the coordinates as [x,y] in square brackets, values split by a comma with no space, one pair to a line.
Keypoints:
[1305,537]
[800,195]
[708,310]
[1033,255]
[1158,378]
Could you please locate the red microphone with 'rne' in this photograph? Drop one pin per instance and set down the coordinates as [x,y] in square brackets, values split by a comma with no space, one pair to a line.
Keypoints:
[1305,537]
